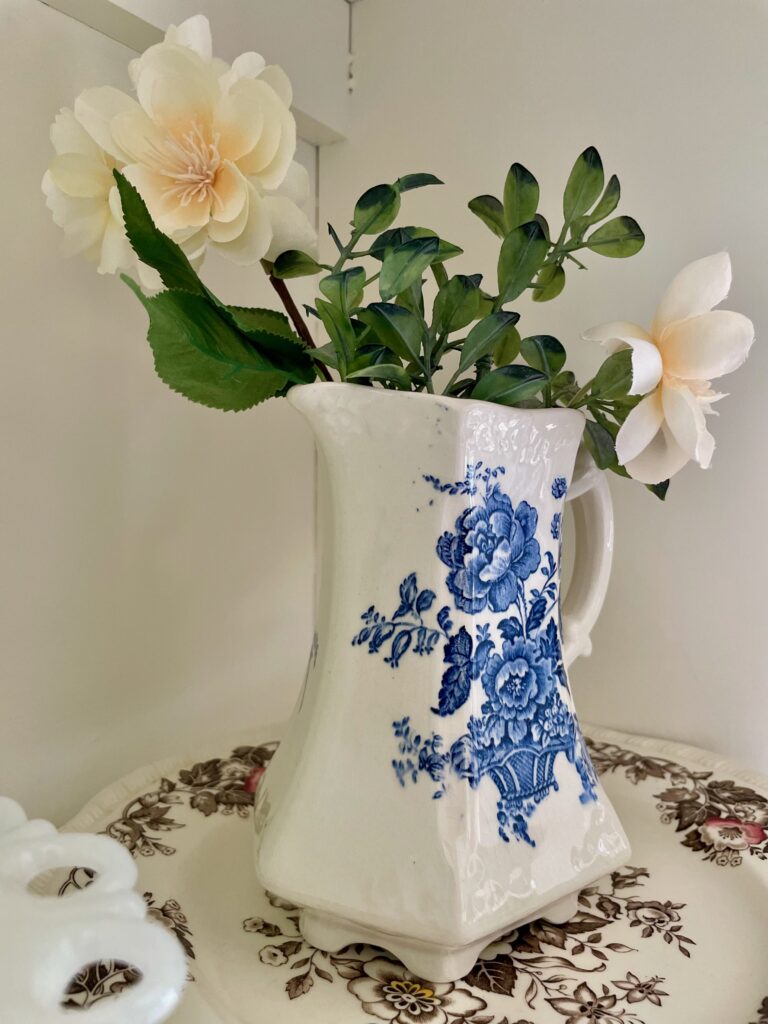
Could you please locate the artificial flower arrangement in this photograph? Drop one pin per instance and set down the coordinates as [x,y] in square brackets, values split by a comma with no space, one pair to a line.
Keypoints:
[204,157]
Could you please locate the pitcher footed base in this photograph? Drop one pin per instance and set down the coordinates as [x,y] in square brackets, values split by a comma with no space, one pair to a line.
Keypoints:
[426,960]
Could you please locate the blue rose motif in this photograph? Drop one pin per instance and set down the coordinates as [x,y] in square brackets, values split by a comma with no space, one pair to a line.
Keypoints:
[555,526]
[559,487]
[518,682]
[494,546]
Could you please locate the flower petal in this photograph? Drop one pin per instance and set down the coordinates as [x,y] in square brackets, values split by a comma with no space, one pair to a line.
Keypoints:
[81,176]
[274,76]
[83,221]
[176,87]
[295,185]
[138,136]
[659,461]
[684,414]
[291,228]
[271,156]
[699,287]
[646,360]
[639,428]
[168,213]
[247,65]
[239,123]
[254,240]
[231,196]
[616,330]
[707,346]
[69,136]
[95,108]
[194,33]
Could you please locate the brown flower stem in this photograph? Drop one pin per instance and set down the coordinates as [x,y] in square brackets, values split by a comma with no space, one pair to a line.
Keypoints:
[295,316]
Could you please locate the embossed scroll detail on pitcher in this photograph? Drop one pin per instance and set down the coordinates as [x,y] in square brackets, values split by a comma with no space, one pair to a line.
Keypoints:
[500,570]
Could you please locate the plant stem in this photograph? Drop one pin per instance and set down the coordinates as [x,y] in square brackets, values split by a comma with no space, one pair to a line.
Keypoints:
[295,316]
[582,393]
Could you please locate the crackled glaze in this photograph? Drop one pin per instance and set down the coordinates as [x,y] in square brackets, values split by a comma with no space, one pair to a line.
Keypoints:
[438,616]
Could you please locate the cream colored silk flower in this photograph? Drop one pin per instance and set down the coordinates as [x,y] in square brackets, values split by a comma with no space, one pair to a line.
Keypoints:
[690,343]
[207,145]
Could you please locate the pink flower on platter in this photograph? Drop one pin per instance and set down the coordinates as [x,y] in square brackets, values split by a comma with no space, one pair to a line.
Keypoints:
[732,834]
[252,781]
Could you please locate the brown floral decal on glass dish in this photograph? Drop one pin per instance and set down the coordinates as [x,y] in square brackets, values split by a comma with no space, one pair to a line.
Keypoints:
[720,818]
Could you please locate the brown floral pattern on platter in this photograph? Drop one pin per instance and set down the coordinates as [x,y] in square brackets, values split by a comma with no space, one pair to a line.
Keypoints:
[719,818]
[542,963]
[219,785]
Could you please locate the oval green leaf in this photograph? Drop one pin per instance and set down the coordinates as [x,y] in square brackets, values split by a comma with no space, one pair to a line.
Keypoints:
[522,253]
[376,209]
[404,265]
[384,371]
[509,385]
[491,213]
[294,263]
[619,238]
[456,305]
[543,353]
[485,336]
[585,183]
[521,197]
[549,283]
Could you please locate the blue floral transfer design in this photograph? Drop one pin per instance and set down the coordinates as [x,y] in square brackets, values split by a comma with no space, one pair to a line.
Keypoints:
[495,564]
[559,487]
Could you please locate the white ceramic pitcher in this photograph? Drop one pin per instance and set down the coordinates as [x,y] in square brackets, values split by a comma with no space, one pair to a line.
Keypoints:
[434,789]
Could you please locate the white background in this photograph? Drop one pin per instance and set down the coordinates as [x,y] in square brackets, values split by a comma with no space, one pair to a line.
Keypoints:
[156,556]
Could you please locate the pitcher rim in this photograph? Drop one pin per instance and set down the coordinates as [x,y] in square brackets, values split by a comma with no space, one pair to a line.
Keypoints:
[460,404]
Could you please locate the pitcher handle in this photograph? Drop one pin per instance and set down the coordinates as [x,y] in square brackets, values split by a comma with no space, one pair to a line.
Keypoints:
[593,521]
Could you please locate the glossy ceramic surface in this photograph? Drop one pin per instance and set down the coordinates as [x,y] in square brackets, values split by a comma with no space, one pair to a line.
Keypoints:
[677,937]
[434,766]
[44,943]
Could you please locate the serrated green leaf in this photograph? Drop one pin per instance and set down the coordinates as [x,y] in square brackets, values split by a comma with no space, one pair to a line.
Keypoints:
[485,336]
[521,197]
[271,334]
[619,238]
[491,213]
[405,265]
[522,253]
[549,282]
[384,371]
[397,328]
[409,181]
[151,245]
[614,378]
[344,289]
[509,385]
[544,353]
[293,263]
[376,209]
[585,183]
[200,356]
[507,349]
[456,304]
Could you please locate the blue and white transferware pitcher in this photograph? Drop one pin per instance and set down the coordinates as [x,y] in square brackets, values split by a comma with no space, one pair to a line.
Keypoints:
[434,789]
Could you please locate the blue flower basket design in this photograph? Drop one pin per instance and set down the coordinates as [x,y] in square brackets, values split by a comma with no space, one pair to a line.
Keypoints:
[495,564]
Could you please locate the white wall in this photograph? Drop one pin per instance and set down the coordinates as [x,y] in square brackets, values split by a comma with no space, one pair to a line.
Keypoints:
[675,97]
[155,554]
